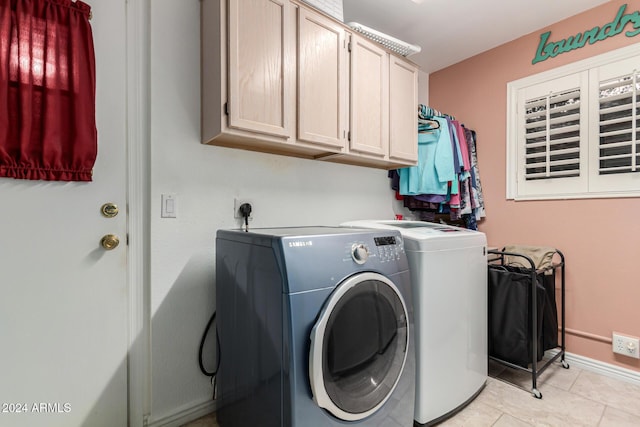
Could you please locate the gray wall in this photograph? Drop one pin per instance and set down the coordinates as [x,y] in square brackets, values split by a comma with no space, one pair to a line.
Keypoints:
[284,191]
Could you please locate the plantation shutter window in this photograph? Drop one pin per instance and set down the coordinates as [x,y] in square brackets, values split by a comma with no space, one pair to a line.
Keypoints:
[615,147]
[619,121]
[552,136]
[574,131]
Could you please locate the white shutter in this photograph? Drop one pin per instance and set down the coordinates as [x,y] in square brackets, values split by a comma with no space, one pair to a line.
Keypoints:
[618,111]
[551,134]
[615,127]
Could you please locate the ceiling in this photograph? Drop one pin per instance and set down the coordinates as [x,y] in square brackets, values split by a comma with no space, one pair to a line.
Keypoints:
[449,31]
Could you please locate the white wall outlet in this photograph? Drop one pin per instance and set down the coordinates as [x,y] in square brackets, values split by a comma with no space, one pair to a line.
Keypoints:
[237,202]
[629,346]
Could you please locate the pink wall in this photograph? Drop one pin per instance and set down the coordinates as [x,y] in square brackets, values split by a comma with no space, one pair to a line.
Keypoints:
[599,237]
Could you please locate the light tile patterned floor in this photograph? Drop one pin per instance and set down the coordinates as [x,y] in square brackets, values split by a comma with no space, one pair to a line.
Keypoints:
[570,397]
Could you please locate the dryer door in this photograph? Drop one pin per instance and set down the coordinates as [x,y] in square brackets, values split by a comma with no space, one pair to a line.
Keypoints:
[359,346]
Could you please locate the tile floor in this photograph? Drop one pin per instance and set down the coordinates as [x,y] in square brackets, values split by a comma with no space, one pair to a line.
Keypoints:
[570,397]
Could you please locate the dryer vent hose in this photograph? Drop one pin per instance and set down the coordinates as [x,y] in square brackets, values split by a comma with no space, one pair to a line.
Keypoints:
[213,373]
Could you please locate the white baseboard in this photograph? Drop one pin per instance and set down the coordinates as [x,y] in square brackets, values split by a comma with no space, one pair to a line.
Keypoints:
[184,414]
[602,368]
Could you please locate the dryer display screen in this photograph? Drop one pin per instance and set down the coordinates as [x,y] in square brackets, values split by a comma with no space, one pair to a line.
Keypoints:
[384,241]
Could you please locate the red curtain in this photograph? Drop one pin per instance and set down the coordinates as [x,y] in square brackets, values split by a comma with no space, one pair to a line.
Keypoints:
[47,90]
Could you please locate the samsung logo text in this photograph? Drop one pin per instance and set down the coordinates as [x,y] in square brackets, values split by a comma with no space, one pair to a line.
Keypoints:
[300,244]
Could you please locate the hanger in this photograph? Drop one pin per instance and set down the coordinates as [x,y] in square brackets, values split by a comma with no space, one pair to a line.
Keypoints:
[427,125]
[425,112]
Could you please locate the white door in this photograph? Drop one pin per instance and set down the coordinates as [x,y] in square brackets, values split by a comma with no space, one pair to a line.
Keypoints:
[64,299]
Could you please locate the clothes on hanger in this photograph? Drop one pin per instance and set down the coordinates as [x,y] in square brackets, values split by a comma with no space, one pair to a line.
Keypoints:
[446,178]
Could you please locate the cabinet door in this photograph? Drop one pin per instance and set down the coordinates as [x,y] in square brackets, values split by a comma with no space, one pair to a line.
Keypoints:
[321,80]
[369,113]
[403,110]
[259,43]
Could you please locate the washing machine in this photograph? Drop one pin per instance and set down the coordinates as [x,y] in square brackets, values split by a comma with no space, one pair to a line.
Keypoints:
[449,280]
[315,328]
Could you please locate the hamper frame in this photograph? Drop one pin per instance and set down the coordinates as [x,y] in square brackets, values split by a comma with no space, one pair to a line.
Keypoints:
[537,368]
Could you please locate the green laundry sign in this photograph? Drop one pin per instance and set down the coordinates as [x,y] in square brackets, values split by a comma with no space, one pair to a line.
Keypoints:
[548,49]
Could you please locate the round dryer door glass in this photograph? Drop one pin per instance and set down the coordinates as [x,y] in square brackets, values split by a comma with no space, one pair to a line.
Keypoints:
[359,346]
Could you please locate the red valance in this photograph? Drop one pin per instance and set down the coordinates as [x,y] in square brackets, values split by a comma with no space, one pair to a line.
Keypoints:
[47,90]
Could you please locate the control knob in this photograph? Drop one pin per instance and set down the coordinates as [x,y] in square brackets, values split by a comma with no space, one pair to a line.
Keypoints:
[359,253]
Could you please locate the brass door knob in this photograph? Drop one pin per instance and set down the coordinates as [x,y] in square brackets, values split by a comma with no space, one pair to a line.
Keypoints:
[110,242]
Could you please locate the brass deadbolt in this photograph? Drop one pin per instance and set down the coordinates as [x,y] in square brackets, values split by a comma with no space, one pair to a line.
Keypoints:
[109,210]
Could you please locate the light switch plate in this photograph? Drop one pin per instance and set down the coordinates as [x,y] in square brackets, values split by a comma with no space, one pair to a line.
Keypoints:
[169,206]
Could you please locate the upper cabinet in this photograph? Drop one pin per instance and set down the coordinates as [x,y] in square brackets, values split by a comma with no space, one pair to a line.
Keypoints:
[383,107]
[281,77]
[403,110]
[260,36]
[369,98]
[322,80]
[249,77]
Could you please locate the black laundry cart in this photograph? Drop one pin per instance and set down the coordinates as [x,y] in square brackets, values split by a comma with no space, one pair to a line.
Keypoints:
[523,314]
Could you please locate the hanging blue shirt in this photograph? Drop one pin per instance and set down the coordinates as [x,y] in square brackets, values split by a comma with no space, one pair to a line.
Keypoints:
[435,164]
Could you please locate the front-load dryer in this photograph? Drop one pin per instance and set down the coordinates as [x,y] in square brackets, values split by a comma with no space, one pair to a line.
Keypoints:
[449,279]
[315,328]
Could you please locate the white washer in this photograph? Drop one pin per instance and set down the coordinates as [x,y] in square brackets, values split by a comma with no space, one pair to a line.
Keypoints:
[449,283]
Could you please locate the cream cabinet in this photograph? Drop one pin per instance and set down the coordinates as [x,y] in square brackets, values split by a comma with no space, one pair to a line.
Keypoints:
[383,107]
[278,76]
[260,38]
[403,110]
[249,77]
[369,115]
[322,80]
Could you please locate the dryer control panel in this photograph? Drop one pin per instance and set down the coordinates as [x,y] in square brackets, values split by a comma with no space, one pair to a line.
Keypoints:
[389,248]
[383,249]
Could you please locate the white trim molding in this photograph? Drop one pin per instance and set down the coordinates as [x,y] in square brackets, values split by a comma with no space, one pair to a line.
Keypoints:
[138,171]
[602,368]
[184,414]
